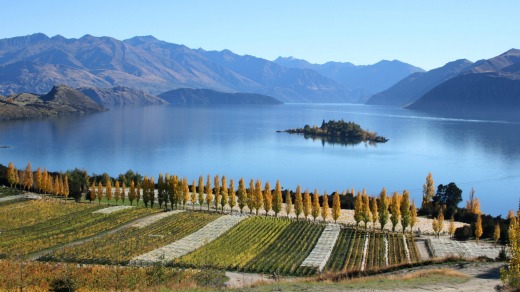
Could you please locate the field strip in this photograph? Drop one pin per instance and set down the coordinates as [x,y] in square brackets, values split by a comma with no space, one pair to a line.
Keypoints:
[407,250]
[21,196]
[443,247]
[386,249]
[364,260]
[321,252]
[112,209]
[191,242]
[152,219]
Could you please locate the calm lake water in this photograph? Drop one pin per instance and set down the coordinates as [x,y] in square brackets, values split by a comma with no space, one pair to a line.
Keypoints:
[241,141]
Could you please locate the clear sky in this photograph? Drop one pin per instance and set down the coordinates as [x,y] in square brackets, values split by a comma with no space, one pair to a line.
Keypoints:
[424,33]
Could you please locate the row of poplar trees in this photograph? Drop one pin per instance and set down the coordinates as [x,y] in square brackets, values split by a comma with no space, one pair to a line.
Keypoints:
[39,181]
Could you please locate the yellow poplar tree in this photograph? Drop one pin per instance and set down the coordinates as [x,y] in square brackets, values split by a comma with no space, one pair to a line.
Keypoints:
[395,210]
[413,216]
[216,181]
[123,193]
[405,210]
[66,187]
[137,193]
[224,195]
[28,177]
[99,192]
[131,195]
[383,208]
[45,181]
[511,274]
[307,204]
[108,190]
[496,234]
[358,209]
[38,179]
[452,228]
[336,207]
[242,195]
[440,223]
[298,202]
[232,195]
[277,199]
[435,226]
[201,191]
[375,212]
[473,204]
[478,227]
[185,192]
[325,206]
[315,211]
[193,194]
[288,202]
[428,193]
[268,198]
[117,192]
[56,185]
[11,174]
[209,192]
[366,214]
[251,198]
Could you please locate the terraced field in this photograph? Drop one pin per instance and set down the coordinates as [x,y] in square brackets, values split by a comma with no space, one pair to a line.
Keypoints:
[57,225]
[127,243]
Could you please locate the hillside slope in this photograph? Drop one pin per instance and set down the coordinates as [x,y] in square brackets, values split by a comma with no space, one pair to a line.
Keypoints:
[190,96]
[117,96]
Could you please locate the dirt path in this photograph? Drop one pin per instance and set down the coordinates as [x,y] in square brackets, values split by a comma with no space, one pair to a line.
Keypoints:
[38,254]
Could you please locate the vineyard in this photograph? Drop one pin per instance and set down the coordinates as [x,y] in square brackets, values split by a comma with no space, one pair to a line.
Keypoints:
[57,225]
[125,244]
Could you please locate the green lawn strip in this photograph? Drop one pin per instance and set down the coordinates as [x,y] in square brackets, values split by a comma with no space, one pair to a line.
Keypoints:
[341,249]
[239,245]
[5,192]
[71,229]
[414,253]
[127,243]
[288,251]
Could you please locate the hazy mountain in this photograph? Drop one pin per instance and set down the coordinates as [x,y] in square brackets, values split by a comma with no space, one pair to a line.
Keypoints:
[191,96]
[489,88]
[119,95]
[416,85]
[363,80]
[60,100]
[35,63]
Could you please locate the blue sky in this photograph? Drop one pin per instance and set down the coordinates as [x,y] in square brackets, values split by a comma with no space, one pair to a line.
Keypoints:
[424,33]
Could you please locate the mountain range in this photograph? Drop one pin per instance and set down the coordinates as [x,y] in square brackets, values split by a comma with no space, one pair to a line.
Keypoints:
[190,96]
[37,62]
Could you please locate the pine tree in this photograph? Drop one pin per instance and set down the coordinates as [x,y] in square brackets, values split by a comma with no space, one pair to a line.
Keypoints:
[38,179]
[11,174]
[251,196]
[395,210]
[496,234]
[131,195]
[117,192]
[405,210]
[413,216]
[193,194]
[366,214]
[185,192]
[298,202]
[268,198]
[336,207]
[259,198]
[99,192]
[277,199]
[242,195]
[288,203]
[315,211]
[108,191]
[232,195]
[224,196]
[452,228]
[201,191]
[358,209]
[325,206]
[478,227]
[28,177]
[307,204]
[428,193]
[216,181]
[375,212]
[209,192]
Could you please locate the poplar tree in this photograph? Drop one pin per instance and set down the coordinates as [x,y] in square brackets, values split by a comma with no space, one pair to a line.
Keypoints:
[298,202]
[232,195]
[307,204]
[38,179]
[358,209]
[216,181]
[161,190]
[209,192]
[478,227]
[99,192]
[145,191]
[172,184]
[496,234]
[66,187]
[92,195]
[435,226]
[242,195]
[366,214]
[251,198]
[201,191]
[288,202]
[405,210]
[151,191]
[383,208]
[224,196]
[395,210]
[45,181]
[259,198]
[413,216]
[315,211]
[131,195]
[325,206]
[193,194]
[277,199]
[108,191]
[57,189]
[17,178]
[510,275]
[428,193]
[375,212]
[11,174]
[123,193]
[117,191]
[185,192]
[137,193]
[174,191]
[268,198]
[451,228]
[28,177]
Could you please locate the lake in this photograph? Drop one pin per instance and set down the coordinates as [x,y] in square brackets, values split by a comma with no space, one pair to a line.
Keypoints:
[241,141]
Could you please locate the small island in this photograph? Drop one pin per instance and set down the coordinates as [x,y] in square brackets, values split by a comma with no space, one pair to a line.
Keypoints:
[339,132]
